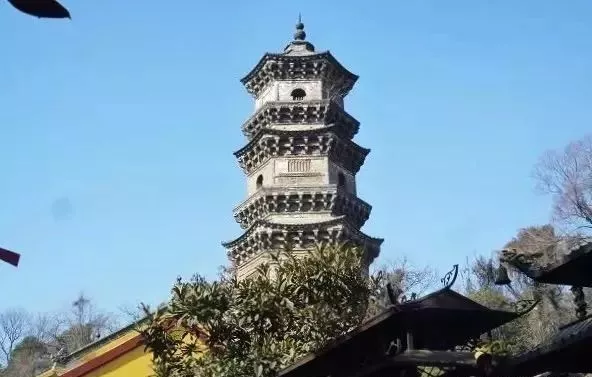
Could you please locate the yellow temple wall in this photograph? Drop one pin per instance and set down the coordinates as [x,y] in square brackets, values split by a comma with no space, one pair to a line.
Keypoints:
[135,363]
[123,356]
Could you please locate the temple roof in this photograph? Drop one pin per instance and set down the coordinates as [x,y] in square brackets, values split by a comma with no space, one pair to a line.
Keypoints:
[130,328]
[566,351]
[438,321]
[571,266]
[446,318]
[89,358]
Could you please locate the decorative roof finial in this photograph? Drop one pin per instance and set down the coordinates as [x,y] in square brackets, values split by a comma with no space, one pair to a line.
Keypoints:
[300,34]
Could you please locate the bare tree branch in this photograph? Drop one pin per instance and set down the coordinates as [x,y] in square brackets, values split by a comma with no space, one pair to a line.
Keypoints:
[404,279]
[14,326]
[567,176]
[133,313]
[86,324]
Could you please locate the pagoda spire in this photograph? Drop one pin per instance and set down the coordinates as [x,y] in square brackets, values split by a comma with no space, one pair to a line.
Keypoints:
[300,34]
[299,45]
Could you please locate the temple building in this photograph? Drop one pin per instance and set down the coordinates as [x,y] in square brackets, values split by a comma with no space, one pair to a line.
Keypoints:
[300,161]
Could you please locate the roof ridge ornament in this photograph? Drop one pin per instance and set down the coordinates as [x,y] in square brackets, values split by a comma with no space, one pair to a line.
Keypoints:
[300,34]
[450,277]
[299,45]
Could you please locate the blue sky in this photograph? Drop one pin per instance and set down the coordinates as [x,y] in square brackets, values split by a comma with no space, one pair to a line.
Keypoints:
[118,128]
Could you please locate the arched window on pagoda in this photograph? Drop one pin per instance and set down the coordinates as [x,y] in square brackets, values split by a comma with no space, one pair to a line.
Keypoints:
[259,181]
[298,94]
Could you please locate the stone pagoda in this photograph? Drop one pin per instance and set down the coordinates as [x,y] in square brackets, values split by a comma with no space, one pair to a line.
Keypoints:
[300,161]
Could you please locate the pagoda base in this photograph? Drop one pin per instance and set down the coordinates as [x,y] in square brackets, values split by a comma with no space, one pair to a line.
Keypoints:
[254,246]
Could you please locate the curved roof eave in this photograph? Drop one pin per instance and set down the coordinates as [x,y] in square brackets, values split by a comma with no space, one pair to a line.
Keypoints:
[269,55]
[276,132]
[261,222]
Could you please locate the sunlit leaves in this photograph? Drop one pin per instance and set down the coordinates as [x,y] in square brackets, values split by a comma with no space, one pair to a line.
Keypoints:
[260,325]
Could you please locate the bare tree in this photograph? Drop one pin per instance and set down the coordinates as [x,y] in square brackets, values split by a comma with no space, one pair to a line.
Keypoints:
[47,327]
[534,239]
[85,324]
[27,341]
[535,246]
[14,327]
[406,281]
[25,358]
[567,175]
[132,313]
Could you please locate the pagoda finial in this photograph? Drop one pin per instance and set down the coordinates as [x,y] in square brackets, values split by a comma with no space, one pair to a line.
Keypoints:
[299,45]
[300,34]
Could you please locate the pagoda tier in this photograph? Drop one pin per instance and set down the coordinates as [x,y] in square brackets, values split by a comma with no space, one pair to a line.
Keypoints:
[271,236]
[318,142]
[307,66]
[309,114]
[312,203]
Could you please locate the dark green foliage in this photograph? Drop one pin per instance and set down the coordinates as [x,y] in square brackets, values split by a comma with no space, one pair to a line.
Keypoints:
[260,325]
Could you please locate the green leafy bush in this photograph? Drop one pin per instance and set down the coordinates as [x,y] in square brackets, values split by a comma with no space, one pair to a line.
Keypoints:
[260,325]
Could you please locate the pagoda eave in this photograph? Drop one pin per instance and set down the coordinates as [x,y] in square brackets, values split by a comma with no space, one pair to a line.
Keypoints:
[266,235]
[298,143]
[273,132]
[321,112]
[310,201]
[289,67]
